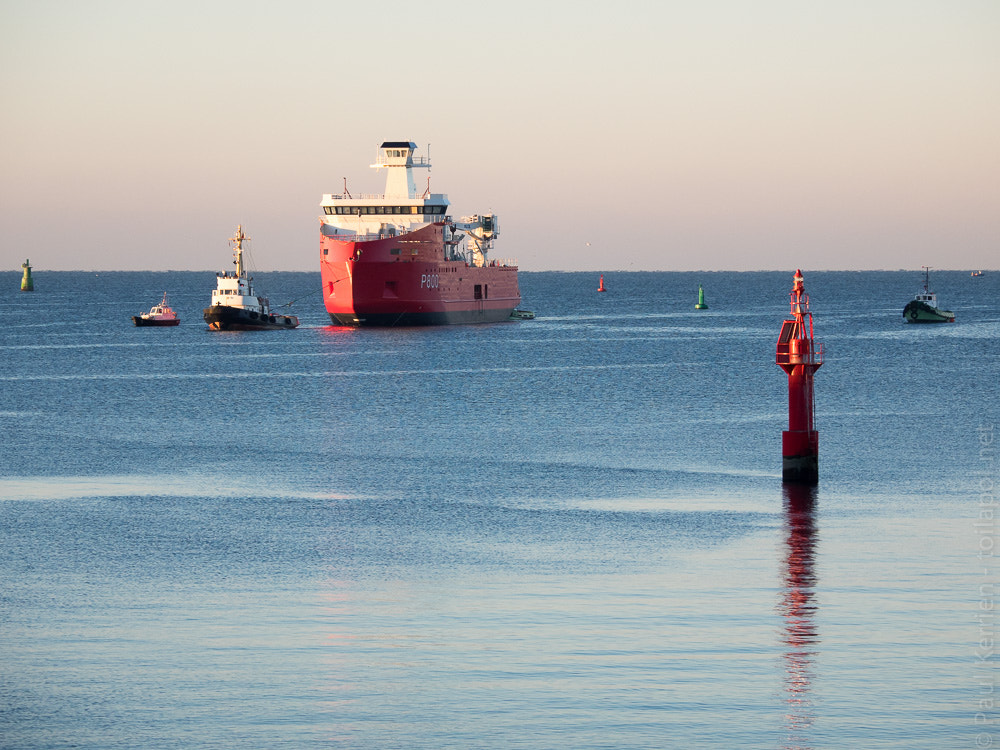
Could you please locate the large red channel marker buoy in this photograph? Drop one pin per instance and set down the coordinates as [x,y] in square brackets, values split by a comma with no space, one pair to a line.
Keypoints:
[799,356]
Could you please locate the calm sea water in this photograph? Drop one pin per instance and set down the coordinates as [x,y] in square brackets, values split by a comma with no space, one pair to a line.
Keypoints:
[569,532]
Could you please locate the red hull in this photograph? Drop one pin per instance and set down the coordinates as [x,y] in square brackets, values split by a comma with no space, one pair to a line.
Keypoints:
[410,280]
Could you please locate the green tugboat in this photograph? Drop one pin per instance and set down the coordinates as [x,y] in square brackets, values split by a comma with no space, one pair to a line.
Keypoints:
[923,307]
[27,283]
[701,299]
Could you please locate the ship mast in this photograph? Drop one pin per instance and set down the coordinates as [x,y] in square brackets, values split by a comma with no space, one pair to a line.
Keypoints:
[237,241]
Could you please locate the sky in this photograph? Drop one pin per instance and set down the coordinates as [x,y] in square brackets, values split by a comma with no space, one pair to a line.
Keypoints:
[662,135]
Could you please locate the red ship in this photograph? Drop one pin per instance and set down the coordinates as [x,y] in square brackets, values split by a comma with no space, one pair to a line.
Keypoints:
[399,259]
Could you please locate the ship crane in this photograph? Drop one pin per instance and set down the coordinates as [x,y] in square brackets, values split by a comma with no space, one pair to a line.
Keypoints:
[481,230]
[458,253]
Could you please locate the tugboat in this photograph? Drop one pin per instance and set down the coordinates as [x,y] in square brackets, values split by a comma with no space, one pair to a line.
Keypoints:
[158,315]
[923,307]
[235,307]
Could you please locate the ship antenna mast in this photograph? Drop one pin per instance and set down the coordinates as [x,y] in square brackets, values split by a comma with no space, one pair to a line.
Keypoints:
[346,191]
[237,241]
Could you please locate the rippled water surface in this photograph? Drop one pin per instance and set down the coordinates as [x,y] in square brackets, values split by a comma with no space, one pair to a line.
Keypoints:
[569,532]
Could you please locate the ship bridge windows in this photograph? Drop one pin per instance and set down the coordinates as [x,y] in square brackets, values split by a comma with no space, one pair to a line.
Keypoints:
[395,210]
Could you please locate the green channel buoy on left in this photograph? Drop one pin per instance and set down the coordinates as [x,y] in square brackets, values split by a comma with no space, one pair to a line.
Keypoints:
[27,283]
[701,299]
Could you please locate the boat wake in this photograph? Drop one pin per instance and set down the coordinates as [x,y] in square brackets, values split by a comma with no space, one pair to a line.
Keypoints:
[155,485]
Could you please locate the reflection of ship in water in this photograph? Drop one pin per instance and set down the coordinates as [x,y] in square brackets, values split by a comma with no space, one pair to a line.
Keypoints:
[798,610]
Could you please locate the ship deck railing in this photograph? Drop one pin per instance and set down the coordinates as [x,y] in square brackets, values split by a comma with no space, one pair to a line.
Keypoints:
[392,161]
[372,197]
[371,236]
[366,237]
[811,356]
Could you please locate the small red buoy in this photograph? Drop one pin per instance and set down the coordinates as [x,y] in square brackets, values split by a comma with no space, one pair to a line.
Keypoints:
[600,287]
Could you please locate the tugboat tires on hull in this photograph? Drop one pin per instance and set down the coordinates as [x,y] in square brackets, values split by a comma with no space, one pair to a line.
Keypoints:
[920,312]
[221,318]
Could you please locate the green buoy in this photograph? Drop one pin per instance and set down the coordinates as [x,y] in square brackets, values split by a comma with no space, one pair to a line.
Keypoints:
[27,283]
[701,299]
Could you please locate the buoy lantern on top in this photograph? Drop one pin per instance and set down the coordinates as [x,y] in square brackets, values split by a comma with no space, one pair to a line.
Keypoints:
[799,356]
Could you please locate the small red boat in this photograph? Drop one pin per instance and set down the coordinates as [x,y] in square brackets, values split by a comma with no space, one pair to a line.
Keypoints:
[158,315]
